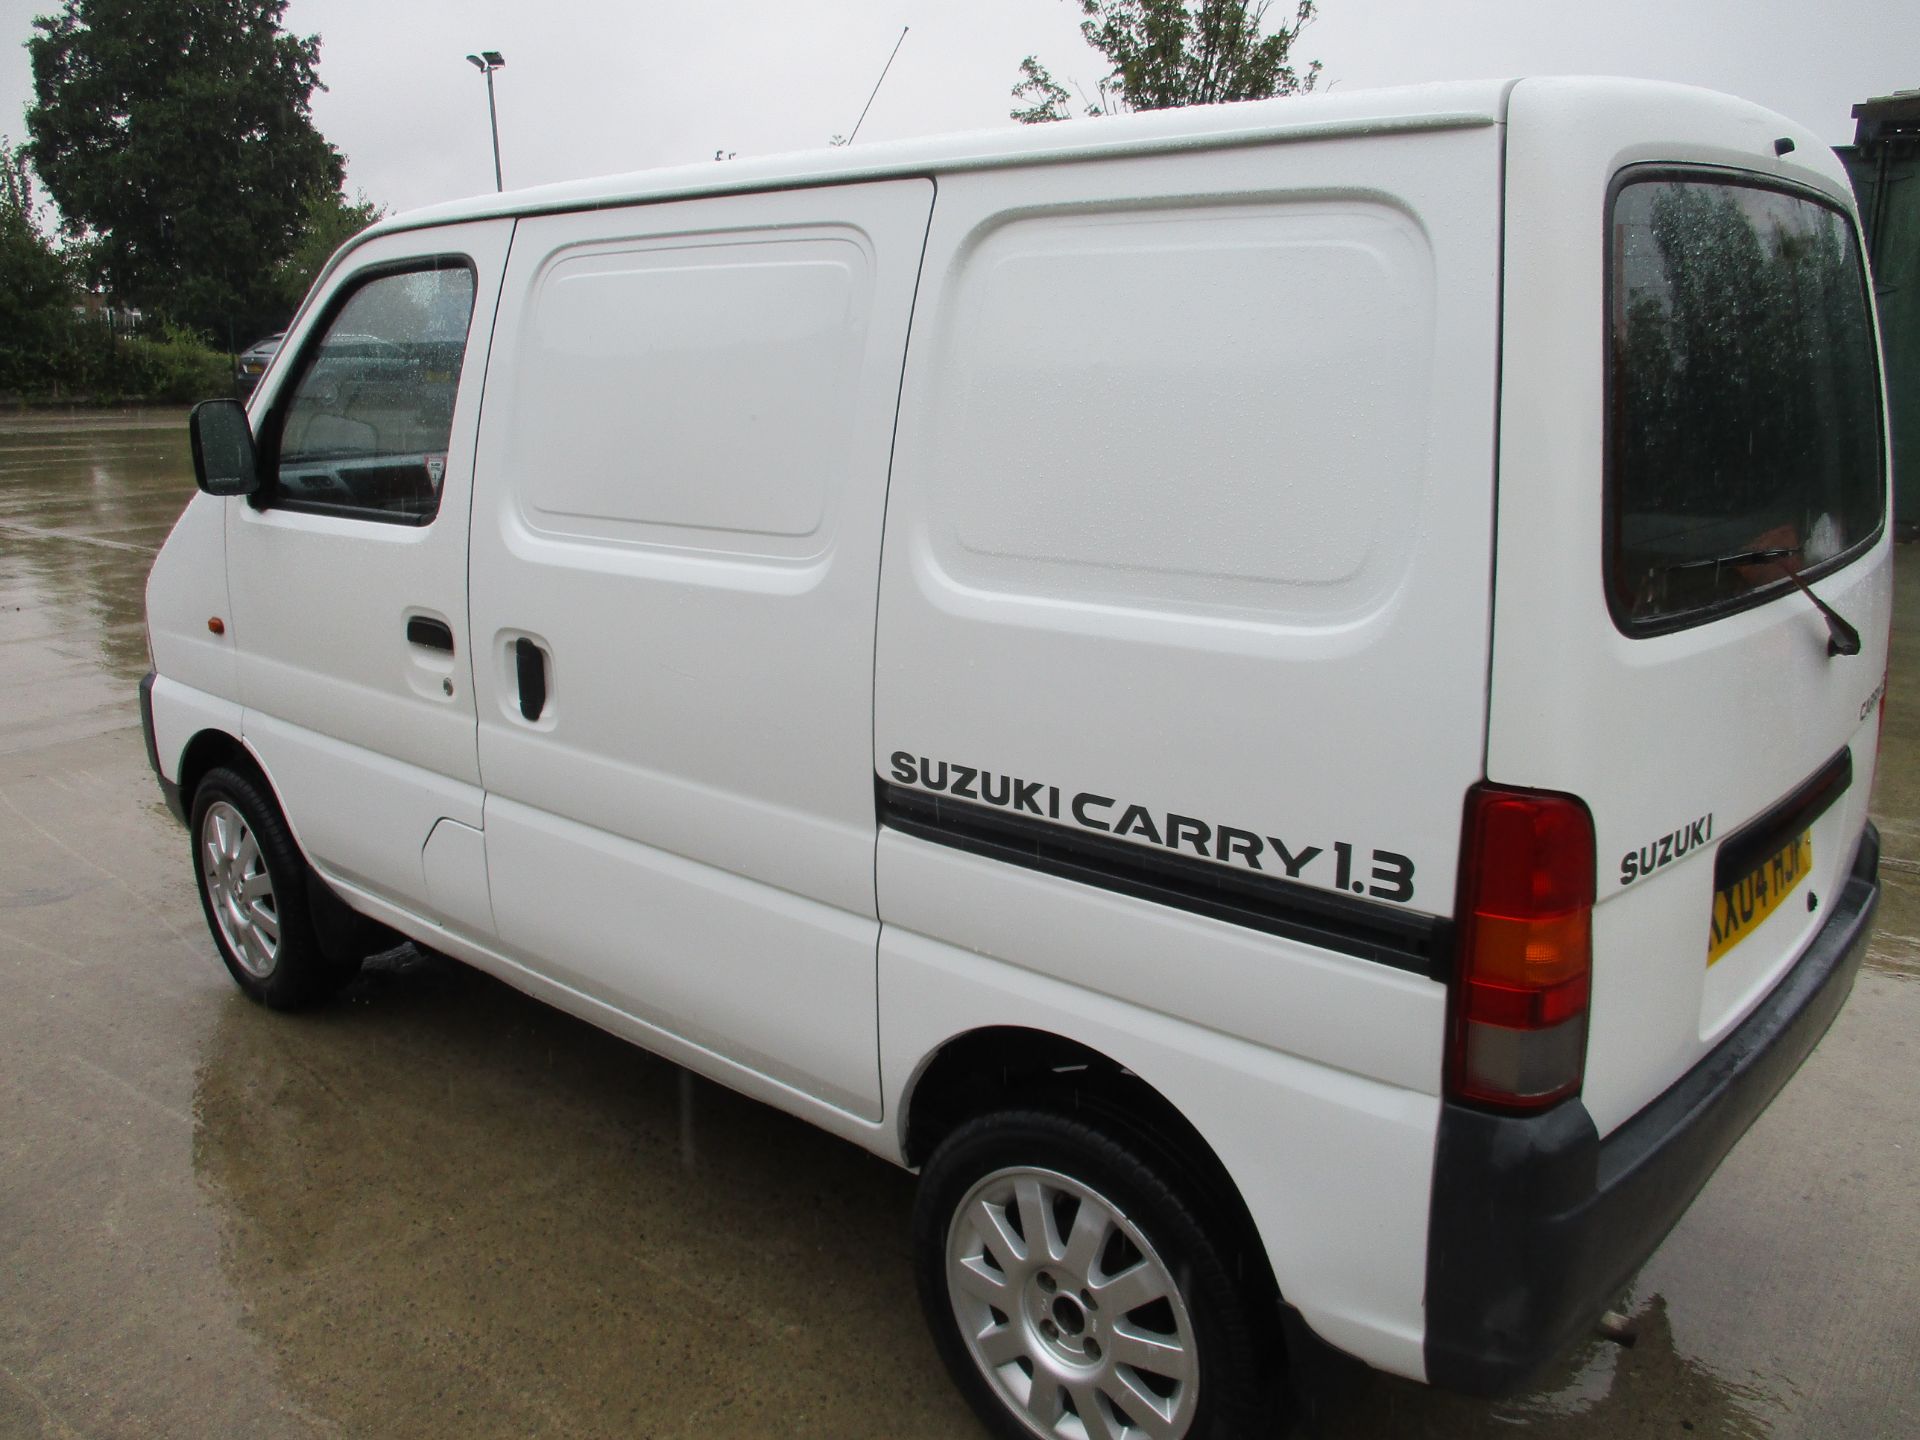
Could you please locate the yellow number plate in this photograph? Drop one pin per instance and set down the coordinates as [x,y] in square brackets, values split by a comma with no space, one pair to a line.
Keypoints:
[1741,906]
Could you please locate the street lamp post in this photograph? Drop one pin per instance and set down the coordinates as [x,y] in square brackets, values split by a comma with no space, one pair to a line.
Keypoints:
[486,62]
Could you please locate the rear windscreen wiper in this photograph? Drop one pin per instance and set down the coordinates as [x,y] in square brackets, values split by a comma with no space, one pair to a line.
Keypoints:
[1738,557]
[1842,638]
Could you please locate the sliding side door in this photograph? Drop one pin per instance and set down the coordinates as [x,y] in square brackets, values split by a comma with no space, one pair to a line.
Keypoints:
[675,559]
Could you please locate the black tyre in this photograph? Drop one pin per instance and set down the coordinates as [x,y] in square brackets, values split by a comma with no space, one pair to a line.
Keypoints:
[1073,1292]
[253,888]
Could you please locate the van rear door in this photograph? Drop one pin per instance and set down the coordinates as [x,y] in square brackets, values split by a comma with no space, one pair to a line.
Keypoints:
[1693,577]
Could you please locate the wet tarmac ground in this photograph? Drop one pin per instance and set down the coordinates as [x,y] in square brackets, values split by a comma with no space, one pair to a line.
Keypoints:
[437,1208]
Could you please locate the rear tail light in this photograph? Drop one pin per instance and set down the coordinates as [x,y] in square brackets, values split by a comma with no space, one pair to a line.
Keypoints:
[1519,1036]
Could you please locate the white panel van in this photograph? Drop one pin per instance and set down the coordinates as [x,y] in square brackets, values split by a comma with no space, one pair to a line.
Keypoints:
[1279,698]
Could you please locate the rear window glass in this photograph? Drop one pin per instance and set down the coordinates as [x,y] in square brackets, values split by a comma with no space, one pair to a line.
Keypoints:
[1745,395]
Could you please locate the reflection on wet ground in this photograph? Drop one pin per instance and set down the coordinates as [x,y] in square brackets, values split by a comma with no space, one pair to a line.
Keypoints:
[508,1194]
[1602,1390]
[85,502]
[438,1208]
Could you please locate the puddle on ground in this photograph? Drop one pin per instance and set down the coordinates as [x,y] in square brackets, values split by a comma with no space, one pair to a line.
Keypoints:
[1895,947]
[452,1211]
[1598,1391]
[86,500]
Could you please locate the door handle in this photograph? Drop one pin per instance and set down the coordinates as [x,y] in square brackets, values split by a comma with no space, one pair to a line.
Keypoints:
[430,634]
[530,669]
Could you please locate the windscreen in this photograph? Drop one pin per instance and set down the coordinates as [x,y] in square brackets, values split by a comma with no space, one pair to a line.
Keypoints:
[1745,391]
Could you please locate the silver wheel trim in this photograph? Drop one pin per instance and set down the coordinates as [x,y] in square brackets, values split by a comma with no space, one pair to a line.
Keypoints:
[1009,1270]
[240,889]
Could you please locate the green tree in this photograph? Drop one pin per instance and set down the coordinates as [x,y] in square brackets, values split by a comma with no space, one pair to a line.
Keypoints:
[177,138]
[36,288]
[327,224]
[1167,53]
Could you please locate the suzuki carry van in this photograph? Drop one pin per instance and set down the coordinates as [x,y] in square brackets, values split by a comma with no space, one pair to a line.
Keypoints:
[1280,699]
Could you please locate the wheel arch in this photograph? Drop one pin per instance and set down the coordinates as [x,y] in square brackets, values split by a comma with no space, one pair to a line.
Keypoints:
[343,932]
[208,750]
[1008,1066]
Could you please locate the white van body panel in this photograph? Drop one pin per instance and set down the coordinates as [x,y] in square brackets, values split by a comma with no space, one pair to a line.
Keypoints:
[454,861]
[682,510]
[1321,1008]
[186,589]
[1641,727]
[339,703]
[750,1082]
[780,984]
[181,712]
[1312,1076]
[1291,633]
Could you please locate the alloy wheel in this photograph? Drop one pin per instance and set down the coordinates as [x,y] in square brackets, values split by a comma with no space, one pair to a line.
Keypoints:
[1069,1312]
[241,890]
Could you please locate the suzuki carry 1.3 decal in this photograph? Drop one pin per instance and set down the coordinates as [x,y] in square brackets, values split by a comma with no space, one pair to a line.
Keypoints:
[1381,874]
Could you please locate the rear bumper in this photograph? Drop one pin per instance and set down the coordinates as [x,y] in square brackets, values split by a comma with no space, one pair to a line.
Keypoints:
[1537,1223]
[169,791]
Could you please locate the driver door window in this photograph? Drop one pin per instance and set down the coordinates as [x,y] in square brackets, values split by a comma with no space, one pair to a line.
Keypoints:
[364,432]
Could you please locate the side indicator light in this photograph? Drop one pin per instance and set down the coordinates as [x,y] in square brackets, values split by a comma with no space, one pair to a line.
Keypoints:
[217,625]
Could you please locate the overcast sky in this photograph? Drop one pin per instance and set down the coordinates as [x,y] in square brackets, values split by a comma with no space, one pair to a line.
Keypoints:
[591,88]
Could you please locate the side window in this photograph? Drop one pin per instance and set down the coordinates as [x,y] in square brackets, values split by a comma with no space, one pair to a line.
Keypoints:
[363,429]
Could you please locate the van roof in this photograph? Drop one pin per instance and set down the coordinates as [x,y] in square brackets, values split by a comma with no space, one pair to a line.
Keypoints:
[1450,105]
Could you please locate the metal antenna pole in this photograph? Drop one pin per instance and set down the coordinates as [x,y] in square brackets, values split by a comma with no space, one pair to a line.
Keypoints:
[493,119]
[877,84]
[486,62]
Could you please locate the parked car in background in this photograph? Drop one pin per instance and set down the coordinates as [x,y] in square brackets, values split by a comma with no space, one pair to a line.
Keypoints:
[253,361]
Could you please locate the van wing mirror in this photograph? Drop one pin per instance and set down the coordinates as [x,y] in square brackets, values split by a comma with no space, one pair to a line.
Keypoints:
[224,459]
